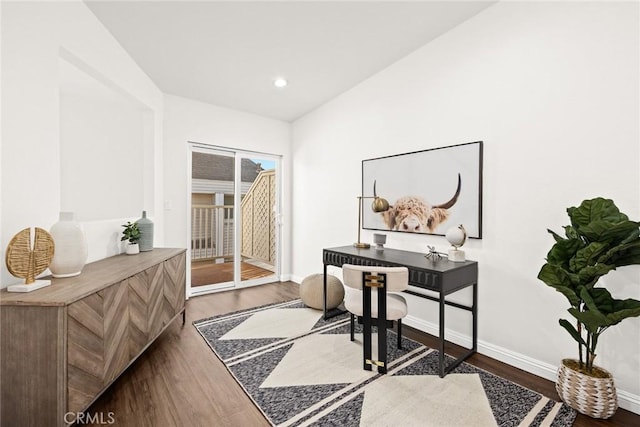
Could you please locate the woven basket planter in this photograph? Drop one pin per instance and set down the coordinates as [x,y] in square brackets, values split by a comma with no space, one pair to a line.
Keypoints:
[595,397]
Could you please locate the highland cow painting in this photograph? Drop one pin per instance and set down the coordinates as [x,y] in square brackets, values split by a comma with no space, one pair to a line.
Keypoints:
[428,191]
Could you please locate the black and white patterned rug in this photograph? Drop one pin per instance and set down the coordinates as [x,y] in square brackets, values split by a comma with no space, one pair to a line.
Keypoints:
[301,370]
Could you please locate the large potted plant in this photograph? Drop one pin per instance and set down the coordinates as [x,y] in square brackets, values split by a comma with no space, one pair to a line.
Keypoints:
[599,239]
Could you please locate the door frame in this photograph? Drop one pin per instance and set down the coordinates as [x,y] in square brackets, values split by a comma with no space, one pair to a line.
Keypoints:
[238,155]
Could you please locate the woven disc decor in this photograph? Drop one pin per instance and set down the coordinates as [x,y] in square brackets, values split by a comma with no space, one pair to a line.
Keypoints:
[26,262]
[595,397]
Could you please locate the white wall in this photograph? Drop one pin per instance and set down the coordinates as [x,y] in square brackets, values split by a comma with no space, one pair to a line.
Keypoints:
[552,90]
[107,131]
[34,38]
[187,121]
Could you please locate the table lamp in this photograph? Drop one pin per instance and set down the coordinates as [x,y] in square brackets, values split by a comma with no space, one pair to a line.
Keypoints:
[378,205]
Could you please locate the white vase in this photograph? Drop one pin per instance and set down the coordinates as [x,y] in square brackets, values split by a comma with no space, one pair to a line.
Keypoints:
[70,242]
[132,249]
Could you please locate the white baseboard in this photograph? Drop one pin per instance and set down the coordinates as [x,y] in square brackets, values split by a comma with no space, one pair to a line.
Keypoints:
[286,278]
[626,400]
[296,279]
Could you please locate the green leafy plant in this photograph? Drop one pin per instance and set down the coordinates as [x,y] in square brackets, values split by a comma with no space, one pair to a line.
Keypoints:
[599,239]
[131,233]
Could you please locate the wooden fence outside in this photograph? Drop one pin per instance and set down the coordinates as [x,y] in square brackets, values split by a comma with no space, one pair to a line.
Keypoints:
[258,219]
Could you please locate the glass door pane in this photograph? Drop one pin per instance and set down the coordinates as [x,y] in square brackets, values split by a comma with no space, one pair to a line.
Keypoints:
[212,220]
[259,213]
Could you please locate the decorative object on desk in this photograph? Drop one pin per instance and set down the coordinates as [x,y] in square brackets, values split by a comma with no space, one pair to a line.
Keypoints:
[71,247]
[378,204]
[311,290]
[599,239]
[145,225]
[427,187]
[132,234]
[308,373]
[28,254]
[433,255]
[456,236]
[379,240]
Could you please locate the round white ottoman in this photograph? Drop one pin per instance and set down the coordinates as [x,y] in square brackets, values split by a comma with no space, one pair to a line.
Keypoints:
[311,291]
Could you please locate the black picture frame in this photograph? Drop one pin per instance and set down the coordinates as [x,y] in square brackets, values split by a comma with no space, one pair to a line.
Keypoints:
[420,187]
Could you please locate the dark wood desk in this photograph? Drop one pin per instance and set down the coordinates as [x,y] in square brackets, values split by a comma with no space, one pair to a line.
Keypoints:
[442,276]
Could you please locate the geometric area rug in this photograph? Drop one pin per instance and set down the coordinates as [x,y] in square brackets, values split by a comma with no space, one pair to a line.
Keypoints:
[301,370]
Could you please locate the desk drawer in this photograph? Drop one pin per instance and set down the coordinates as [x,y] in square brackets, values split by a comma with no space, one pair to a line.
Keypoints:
[425,279]
[332,258]
[337,259]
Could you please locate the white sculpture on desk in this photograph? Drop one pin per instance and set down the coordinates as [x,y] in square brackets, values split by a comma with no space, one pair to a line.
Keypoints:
[456,236]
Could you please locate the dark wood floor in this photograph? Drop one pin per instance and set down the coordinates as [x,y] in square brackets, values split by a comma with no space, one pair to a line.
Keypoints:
[178,381]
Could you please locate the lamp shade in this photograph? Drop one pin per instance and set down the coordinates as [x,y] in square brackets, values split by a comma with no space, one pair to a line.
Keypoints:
[379,205]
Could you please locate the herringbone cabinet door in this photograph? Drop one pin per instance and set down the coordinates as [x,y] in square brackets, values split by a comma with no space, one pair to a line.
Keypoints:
[145,307]
[116,330]
[155,316]
[174,285]
[85,351]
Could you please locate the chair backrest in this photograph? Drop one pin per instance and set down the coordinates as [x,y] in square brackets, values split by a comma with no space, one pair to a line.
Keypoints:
[397,278]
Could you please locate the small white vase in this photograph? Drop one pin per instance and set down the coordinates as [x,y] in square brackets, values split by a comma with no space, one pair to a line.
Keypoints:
[71,251]
[132,249]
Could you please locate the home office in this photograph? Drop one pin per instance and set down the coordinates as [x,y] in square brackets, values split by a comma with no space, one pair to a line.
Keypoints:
[550,88]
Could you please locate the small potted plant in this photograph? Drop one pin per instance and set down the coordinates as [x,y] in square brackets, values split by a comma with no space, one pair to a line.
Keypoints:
[132,234]
[599,239]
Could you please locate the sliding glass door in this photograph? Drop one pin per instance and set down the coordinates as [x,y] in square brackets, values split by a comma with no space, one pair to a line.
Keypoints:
[234,211]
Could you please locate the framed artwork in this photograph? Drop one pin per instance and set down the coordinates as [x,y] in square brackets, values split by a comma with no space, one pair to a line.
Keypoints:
[428,191]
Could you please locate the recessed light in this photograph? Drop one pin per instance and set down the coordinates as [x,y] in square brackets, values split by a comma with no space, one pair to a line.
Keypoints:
[280,82]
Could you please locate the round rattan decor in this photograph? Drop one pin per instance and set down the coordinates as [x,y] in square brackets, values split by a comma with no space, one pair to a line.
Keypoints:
[27,262]
[595,397]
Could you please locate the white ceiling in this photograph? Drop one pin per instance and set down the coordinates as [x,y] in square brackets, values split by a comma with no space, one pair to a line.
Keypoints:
[228,53]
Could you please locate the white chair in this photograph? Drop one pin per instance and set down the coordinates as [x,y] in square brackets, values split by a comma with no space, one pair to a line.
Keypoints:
[366,284]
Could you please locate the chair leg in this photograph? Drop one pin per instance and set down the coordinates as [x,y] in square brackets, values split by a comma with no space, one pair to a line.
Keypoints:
[399,333]
[353,326]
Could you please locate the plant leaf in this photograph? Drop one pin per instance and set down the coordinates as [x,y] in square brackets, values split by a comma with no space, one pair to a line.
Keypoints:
[563,250]
[597,209]
[572,331]
[587,256]
[621,255]
[588,276]
[560,280]
[591,321]
[608,232]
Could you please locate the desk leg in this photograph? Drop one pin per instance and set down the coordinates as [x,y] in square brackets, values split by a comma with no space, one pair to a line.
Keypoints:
[441,365]
[324,292]
[474,322]
[474,316]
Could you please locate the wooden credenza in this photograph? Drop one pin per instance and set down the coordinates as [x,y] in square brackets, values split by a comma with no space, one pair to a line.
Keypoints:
[63,345]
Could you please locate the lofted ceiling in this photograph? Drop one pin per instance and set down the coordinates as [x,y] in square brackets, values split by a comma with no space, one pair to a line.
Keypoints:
[228,53]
